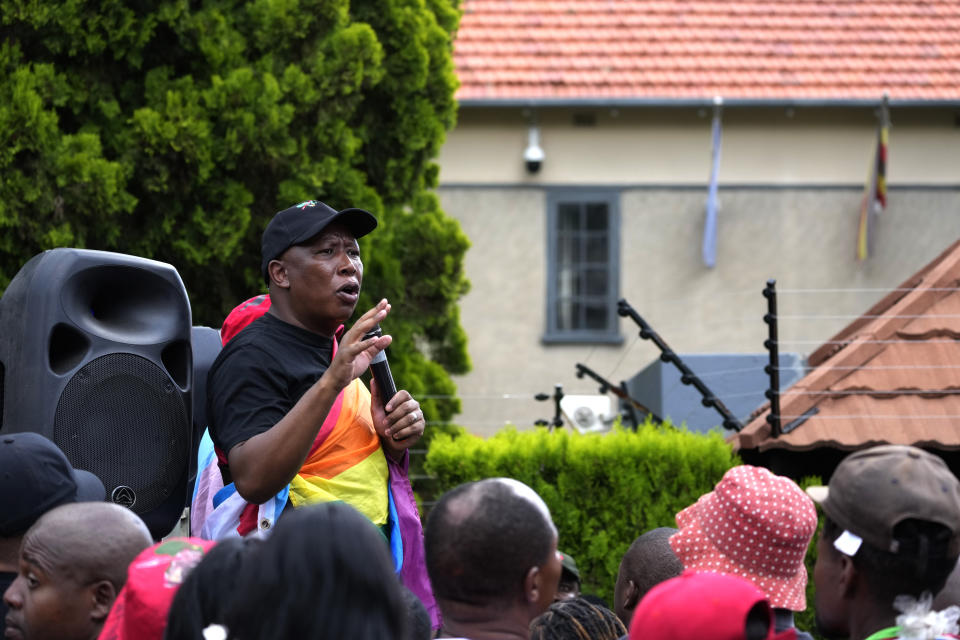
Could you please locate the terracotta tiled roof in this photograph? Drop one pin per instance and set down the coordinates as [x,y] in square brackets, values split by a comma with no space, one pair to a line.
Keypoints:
[891,376]
[677,49]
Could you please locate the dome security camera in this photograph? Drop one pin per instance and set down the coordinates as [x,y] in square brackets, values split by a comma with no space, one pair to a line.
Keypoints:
[533,154]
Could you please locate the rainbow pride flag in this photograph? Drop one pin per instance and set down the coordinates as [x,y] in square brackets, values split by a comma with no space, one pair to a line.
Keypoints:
[346,462]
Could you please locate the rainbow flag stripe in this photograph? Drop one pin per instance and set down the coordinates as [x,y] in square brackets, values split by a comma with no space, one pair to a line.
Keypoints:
[346,461]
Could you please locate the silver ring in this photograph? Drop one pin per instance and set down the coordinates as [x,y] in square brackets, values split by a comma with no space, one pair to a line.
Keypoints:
[416,416]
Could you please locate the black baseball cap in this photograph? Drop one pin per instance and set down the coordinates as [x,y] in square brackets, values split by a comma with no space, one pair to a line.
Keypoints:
[35,476]
[302,221]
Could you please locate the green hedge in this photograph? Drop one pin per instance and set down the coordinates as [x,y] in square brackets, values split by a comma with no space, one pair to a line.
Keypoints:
[603,491]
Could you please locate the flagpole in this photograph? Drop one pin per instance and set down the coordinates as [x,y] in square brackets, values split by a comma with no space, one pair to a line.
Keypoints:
[709,249]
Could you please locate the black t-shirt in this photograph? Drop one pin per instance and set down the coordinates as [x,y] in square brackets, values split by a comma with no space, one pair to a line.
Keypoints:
[6,579]
[259,376]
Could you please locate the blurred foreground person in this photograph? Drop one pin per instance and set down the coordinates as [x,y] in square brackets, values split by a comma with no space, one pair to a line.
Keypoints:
[36,478]
[419,626]
[492,557]
[569,586]
[154,576]
[890,539]
[325,572]
[73,563]
[701,606]
[205,594]
[648,562]
[576,619]
[756,525]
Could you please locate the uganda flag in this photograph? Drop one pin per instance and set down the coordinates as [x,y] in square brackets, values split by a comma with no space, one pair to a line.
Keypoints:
[875,191]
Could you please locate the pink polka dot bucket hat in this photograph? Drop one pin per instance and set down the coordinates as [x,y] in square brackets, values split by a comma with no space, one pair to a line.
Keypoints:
[756,525]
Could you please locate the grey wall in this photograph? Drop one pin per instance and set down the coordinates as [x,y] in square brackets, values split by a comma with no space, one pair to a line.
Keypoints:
[803,237]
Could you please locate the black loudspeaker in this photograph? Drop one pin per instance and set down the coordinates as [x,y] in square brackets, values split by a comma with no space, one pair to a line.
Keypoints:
[95,354]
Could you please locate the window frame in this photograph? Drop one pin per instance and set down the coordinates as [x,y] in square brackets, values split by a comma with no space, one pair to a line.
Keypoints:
[582,196]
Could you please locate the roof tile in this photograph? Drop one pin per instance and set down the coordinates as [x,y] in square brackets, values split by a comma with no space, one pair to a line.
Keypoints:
[892,375]
[739,49]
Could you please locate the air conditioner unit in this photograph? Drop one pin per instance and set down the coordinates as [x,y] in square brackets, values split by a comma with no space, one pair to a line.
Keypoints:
[588,414]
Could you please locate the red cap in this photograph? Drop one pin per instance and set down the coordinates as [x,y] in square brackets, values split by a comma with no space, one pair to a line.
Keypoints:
[694,606]
[140,612]
[242,315]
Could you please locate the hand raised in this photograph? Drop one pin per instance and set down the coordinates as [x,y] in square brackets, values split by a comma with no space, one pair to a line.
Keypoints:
[354,353]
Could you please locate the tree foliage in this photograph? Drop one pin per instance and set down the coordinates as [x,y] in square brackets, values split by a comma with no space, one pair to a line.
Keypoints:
[175,129]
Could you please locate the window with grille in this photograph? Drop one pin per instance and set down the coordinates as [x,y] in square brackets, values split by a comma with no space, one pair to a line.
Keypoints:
[583,258]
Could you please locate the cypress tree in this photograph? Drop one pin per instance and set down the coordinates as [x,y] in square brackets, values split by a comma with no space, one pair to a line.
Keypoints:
[175,129]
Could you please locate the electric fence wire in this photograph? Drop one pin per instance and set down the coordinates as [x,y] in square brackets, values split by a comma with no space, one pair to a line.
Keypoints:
[623,357]
[747,394]
[627,351]
[872,416]
[851,341]
[689,300]
[855,316]
[867,290]
[852,392]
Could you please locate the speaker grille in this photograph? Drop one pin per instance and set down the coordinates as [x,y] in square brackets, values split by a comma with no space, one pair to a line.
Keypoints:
[121,418]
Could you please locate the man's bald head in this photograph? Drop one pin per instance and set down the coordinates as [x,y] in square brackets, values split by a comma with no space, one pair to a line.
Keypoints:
[90,540]
[648,562]
[73,563]
[483,537]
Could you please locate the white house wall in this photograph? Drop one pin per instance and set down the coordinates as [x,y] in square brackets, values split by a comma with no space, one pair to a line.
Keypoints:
[774,146]
[789,194]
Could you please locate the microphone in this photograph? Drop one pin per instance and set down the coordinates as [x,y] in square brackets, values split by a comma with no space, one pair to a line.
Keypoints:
[381,370]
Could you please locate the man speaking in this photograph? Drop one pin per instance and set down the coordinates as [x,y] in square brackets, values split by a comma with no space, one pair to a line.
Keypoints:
[287,411]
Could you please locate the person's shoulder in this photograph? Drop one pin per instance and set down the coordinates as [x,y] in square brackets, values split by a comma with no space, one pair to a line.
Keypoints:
[253,332]
[252,345]
[261,333]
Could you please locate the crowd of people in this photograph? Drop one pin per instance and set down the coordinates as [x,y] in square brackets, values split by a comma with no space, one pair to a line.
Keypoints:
[76,567]
[304,524]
